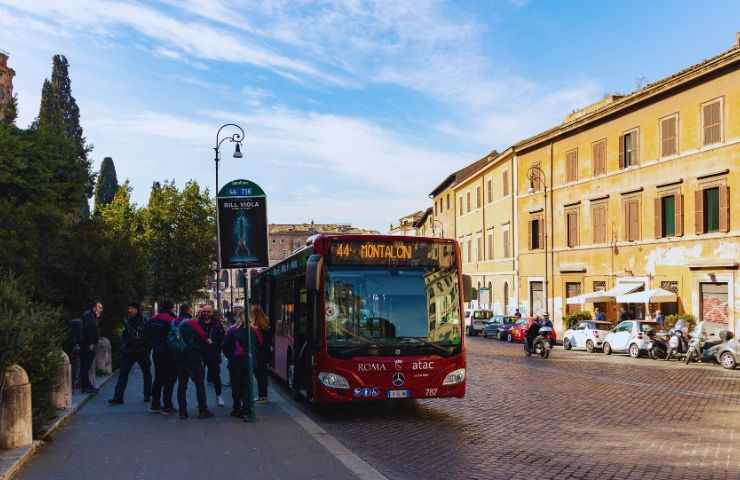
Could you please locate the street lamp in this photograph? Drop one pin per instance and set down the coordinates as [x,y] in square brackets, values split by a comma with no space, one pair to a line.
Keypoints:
[535,174]
[237,138]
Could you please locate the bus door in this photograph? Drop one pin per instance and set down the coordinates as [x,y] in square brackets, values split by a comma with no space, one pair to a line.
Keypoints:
[305,344]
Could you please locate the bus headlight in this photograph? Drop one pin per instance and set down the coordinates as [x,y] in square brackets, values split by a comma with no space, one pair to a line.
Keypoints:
[333,380]
[454,377]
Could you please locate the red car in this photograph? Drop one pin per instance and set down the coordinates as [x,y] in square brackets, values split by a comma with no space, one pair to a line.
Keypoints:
[519,330]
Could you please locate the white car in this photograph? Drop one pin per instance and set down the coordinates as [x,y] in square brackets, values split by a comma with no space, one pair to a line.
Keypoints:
[588,335]
[629,336]
[478,320]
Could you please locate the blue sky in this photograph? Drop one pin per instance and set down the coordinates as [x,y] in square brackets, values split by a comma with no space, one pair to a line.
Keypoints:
[354,110]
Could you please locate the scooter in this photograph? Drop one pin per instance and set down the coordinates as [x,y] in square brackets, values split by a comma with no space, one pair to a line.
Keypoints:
[542,344]
[657,347]
[702,349]
[676,345]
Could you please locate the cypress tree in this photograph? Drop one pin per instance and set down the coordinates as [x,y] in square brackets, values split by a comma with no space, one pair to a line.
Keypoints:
[107,184]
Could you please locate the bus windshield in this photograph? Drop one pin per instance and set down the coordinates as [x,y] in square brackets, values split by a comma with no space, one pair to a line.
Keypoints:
[396,306]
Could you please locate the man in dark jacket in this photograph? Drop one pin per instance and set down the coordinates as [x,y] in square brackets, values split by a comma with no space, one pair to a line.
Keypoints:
[190,364]
[214,329]
[88,343]
[134,349]
[158,328]
[72,347]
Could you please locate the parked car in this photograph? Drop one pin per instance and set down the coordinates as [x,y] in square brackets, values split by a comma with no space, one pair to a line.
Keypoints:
[493,325]
[478,321]
[517,331]
[504,330]
[588,335]
[629,336]
[728,352]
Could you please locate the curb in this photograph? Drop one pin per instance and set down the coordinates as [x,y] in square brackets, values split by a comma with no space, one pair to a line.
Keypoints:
[7,472]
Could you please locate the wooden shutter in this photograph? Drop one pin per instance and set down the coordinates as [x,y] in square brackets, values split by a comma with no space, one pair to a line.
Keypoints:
[596,220]
[678,202]
[542,232]
[506,244]
[621,151]
[712,123]
[635,218]
[699,212]
[529,234]
[576,229]
[669,144]
[635,147]
[724,208]
[598,152]
[658,217]
[571,166]
[626,220]
[506,182]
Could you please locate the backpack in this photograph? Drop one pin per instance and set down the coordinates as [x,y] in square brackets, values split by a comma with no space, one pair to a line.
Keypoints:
[175,339]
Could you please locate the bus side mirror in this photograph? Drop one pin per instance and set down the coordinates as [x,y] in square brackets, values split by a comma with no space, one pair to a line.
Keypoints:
[467,288]
[314,270]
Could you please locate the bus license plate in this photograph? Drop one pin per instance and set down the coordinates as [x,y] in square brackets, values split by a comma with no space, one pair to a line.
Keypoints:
[399,393]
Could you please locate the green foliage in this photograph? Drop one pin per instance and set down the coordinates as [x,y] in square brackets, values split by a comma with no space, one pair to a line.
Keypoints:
[31,335]
[179,238]
[575,317]
[107,184]
[9,111]
[671,320]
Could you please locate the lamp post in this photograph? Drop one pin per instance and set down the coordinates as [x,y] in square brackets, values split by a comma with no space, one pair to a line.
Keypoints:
[535,174]
[237,138]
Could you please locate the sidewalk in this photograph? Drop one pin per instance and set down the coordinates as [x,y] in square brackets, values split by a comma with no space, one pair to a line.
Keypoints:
[126,442]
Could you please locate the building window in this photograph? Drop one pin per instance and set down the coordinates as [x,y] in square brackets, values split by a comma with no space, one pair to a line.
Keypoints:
[714,302]
[598,217]
[505,181]
[572,289]
[668,216]
[506,298]
[435,208]
[632,220]
[490,244]
[571,166]
[669,136]
[489,190]
[571,223]
[712,212]
[470,251]
[506,244]
[477,197]
[600,286]
[535,182]
[461,206]
[536,298]
[536,233]
[468,199]
[479,248]
[629,149]
[711,120]
[448,201]
[598,152]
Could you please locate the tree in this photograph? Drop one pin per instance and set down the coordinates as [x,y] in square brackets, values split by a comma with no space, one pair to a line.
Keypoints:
[9,111]
[59,114]
[106,185]
[179,235]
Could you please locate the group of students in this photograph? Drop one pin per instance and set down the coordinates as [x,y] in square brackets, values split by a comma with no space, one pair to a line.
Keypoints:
[186,349]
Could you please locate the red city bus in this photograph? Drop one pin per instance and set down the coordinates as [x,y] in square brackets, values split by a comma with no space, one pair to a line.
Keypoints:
[367,317]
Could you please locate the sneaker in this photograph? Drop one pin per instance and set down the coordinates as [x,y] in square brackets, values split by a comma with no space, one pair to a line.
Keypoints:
[221,402]
[115,401]
[205,414]
[167,411]
[154,409]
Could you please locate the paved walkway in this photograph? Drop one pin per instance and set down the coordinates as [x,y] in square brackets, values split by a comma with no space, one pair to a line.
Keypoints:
[127,442]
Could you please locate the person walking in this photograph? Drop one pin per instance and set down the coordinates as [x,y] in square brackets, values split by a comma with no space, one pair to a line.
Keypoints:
[263,354]
[214,329]
[88,344]
[157,331]
[134,350]
[192,344]
[236,346]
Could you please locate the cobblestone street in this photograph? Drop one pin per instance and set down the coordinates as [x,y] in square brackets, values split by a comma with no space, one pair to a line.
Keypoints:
[575,415]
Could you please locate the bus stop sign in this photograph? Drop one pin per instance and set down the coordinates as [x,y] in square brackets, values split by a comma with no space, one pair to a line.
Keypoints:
[242,225]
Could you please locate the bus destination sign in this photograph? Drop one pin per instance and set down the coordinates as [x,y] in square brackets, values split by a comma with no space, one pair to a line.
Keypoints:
[389,253]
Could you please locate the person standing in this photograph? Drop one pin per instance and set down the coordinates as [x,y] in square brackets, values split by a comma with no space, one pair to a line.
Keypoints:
[191,352]
[214,329]
[235,348]
[517,314]
[600,317]
[659,318]
[88,344]
[263,354]
[158,328]
[72,347]
[133,350]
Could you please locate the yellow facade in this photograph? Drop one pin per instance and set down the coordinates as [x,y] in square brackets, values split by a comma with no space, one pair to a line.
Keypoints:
[642,192]
[635,249]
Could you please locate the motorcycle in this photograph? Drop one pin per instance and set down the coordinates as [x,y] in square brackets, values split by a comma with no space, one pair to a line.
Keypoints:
[542,344]
[657,347]
[676,345]
[703,345]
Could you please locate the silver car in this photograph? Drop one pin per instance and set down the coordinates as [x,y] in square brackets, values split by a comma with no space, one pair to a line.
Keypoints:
[629,336]
[588,335]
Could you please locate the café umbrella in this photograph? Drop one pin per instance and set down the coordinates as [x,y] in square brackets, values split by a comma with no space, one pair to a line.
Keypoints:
[654,295]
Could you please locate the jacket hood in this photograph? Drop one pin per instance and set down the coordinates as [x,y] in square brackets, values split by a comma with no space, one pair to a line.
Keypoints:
[163,316]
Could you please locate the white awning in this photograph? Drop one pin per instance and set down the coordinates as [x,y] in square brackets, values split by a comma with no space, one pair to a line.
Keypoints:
[603,296]
[655,295]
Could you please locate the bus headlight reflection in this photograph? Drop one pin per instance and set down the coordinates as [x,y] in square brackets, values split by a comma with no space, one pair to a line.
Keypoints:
[333,380]
[454,377]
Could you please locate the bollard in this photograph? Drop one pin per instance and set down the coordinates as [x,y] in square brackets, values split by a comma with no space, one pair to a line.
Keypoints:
[60,396]
[16,420]
[103,357]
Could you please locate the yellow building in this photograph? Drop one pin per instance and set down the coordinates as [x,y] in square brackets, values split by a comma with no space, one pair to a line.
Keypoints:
[484,228]
[642,193]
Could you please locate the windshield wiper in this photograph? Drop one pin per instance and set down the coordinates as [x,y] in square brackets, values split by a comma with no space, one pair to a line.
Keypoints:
[421,341]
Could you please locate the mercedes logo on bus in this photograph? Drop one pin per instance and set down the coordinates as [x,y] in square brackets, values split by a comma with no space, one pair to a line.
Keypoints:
[398,379]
